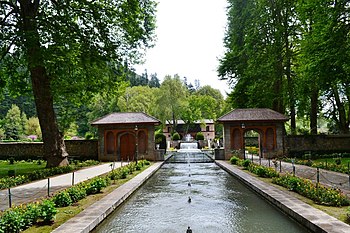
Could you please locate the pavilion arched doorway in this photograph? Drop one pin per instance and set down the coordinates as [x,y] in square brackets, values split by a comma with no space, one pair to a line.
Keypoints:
[127,144]
[252,141]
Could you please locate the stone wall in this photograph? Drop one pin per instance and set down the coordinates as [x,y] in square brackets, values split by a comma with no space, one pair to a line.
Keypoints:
[318,144]
[82,149]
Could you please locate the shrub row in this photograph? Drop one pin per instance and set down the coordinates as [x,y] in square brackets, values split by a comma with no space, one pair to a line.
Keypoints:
[8,182]
[318,193]
[21,217]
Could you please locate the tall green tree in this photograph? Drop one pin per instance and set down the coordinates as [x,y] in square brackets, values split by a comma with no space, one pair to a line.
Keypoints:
[260,51]
[170,99]
[14,123]
[58,46]
[323,59]
[211,95]
[138,99]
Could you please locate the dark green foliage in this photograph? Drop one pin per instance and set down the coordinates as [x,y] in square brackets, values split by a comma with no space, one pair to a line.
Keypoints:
[176,136]
[89,135]
[96,185]
[199,136]
[246,163]
[21,217]
[160,139]
[47,211]
[318,193]
[8,182]
[234,160]
[62,199]
[76,193]
[262,171]
[40,174]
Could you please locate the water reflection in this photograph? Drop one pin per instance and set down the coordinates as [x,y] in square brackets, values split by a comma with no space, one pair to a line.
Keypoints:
[219,203]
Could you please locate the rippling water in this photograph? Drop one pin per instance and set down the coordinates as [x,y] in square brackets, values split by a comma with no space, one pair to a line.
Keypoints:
[219,203]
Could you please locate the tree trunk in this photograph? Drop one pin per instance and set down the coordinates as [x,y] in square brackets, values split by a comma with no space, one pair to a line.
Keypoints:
[314,110]
[290,82]
[343,123]
[54,147]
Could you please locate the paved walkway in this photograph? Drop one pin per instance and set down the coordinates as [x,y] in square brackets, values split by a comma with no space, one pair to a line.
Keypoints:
[327,178]
[39,189]
[88,219]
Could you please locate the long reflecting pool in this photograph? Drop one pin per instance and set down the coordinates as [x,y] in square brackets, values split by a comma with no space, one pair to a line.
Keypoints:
[219,203]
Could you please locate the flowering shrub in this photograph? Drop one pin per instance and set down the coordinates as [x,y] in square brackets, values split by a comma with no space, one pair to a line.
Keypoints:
[266,172]
[234,160]
[96,185]
[21,217]
[62,199]
[318,193]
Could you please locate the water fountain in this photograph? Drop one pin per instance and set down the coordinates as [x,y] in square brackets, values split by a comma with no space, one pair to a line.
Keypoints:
[217,202]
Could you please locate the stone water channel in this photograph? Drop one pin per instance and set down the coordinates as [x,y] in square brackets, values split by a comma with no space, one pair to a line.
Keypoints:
[199,195]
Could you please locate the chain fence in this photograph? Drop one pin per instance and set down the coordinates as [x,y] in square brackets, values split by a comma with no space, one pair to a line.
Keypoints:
[327,178]
[45,188]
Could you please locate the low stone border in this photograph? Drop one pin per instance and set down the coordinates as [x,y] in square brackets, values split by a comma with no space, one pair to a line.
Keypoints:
[312,218]
[88,219]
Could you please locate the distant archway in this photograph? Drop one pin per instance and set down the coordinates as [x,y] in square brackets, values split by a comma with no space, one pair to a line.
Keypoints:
[252,139]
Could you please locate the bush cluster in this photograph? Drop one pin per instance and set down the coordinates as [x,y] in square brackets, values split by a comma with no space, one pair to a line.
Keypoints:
[318,193]
[21,217]
[234,160]
[8,182]
[262,171]
[122,172]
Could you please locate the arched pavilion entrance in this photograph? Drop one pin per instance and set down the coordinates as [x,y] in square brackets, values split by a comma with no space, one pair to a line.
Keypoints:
[127,137]
[267,123]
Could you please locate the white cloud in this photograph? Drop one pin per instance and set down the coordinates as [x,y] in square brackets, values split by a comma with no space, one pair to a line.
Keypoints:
[190,41]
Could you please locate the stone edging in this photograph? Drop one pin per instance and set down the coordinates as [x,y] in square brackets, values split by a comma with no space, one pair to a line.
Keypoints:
[312,218]
[89,218]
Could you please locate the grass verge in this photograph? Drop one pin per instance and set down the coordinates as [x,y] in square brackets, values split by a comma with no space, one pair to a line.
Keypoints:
[66,213]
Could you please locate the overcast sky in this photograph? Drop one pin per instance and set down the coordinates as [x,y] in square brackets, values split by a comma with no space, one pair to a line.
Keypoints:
[189,41]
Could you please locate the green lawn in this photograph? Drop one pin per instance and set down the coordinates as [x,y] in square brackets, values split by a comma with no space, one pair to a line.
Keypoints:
[20,167]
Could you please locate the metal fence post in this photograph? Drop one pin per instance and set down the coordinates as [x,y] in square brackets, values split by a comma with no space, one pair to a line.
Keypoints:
[48,186]
[318,177]
[280,165]
[72,178]
[10,198]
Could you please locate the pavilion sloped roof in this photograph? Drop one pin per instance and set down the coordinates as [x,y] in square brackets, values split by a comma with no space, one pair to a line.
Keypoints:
[126,118]
[253,114]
